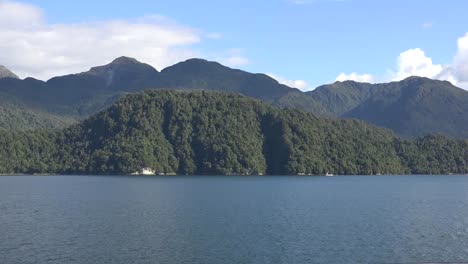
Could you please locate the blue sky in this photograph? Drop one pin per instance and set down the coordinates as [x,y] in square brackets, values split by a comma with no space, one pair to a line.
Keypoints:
[314,41]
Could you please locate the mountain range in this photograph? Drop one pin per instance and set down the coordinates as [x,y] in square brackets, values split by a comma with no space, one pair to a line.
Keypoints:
[413,107]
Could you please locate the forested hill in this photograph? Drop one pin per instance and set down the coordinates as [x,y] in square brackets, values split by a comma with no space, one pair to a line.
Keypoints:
[412,107]
[216,133]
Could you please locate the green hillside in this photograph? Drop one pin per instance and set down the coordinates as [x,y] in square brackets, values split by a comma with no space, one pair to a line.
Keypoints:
[413,107]
[216,133]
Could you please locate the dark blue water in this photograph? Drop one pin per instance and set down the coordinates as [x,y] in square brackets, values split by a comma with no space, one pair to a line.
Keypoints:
[215,220]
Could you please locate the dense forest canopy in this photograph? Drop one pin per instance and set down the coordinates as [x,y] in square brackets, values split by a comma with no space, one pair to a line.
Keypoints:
[215,133]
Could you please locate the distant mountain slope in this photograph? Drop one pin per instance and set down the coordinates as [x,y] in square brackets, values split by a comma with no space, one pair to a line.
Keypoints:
[298,100]
[6,73]
[217,133]
[413,107]
[19,118]
[88,92]
[205,75]
[341,97]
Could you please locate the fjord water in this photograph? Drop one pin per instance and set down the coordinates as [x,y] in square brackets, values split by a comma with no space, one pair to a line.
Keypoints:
[358,219]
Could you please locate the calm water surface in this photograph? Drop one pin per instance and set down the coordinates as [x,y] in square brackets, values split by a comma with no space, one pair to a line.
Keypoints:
[215,220]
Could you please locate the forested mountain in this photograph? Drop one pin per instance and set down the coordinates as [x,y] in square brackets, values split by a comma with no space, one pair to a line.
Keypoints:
[413,107]
[200,74]
[216,133]
[88,92]
[17,114]
[83,94]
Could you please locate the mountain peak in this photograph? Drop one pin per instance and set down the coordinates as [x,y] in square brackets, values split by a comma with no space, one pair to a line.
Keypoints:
[197,63]
[198,60]
[6,73]
[417,79]
[125,60]
[427,83]
[198,66]
[124,72]
[122,63]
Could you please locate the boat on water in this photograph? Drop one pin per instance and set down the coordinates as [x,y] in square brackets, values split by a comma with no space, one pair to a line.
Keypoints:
[329,174]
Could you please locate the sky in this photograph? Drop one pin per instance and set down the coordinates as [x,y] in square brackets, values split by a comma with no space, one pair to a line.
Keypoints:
[302,43]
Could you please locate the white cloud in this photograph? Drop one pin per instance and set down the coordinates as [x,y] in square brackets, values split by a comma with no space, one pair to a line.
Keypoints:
[32,47]
[15,14]
[459,69]
[231,57]
[299,84]
[414,62]
[367,78]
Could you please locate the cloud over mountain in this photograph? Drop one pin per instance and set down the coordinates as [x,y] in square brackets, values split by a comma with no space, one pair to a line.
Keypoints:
[458,71]
[367,78]
[33,47]
[299,84]
[414,62]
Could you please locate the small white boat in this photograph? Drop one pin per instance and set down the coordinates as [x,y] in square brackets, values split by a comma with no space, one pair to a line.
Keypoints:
[329,174]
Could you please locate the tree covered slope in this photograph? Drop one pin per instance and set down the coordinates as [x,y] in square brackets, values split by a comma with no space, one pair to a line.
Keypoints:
[412,107]
[217,133]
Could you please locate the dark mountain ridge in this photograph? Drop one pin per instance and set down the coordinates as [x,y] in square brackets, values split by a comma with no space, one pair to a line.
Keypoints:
[68,94]
[196,74]
[413,107]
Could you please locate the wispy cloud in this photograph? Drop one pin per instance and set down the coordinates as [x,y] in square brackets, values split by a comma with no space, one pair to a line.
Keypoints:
[366,78]
[427,25]
[31,46]
[299,84]
[233,57]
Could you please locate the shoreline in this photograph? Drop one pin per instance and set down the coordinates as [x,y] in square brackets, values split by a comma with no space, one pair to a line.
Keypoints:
[225,175]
